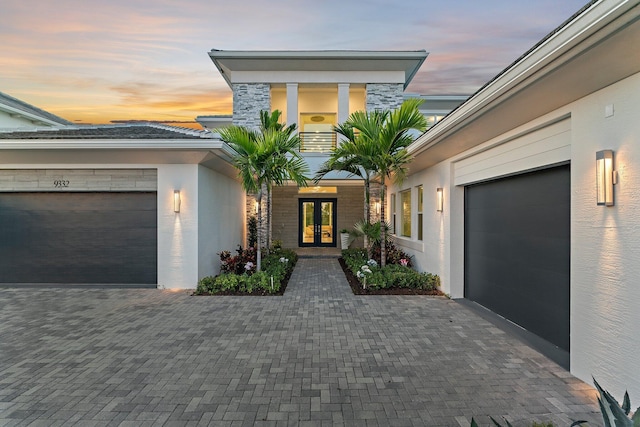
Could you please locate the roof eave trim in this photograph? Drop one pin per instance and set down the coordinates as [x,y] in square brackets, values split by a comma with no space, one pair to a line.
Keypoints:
[115,144]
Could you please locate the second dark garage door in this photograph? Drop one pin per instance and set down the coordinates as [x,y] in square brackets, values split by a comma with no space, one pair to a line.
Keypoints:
[78,238]
[517,250]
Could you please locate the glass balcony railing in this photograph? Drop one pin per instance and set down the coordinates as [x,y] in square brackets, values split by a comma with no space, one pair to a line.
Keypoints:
[317,142]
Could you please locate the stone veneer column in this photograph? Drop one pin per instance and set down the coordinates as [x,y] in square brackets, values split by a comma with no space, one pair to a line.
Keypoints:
[383,96]
[248,100]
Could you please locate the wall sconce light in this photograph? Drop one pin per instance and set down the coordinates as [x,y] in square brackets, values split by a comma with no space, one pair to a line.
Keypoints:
[606,177]
[377,207]
[255,207]
[439,200]
[176,200]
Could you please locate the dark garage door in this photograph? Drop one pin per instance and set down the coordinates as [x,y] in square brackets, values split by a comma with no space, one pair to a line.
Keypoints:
[517,250]
[78,238]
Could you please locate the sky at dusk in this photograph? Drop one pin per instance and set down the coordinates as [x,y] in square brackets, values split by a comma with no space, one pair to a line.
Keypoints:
[95,61]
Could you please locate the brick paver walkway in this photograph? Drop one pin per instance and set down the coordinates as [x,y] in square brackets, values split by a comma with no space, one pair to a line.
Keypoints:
[317,356]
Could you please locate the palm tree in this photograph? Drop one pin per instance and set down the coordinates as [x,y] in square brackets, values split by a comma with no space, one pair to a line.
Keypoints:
[352,156]
[265,158]
[386,136]
[272,121]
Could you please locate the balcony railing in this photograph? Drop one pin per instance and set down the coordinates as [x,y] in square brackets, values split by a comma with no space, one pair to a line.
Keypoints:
[317,142]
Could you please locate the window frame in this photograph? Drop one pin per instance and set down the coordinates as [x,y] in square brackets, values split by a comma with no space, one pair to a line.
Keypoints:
[392,203]
[405,213]
[419,213]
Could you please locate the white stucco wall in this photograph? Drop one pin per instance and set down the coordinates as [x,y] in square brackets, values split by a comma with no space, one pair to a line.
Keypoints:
[605,241]
[221,211]
[178,232]
[432,253]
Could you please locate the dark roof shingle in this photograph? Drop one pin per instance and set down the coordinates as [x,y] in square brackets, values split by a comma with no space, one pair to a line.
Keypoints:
[137,131]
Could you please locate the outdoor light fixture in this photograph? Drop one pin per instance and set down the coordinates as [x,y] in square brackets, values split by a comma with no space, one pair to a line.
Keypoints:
[176,200]
[377,206]
[255,206]
[439,200]
[606,177]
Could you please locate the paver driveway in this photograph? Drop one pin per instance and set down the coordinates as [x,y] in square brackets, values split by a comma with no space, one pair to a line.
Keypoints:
[317,356]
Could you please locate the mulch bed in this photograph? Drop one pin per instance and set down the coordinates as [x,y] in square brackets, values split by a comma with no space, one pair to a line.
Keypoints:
[256,293]
[356,286]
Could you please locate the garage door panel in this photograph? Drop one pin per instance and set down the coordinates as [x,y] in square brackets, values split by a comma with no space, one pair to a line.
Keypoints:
[517,250]
[78,238]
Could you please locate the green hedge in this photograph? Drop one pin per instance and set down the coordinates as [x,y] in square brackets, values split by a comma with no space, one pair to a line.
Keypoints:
[272,266]
[391,276]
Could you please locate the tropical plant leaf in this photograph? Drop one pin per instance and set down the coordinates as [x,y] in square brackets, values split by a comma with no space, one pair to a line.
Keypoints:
[473,423]
[578,423]
[636,418]
[612,412]
[626,403]
[606,418]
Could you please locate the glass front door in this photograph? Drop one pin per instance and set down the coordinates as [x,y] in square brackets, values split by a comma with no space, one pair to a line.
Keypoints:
[317,222]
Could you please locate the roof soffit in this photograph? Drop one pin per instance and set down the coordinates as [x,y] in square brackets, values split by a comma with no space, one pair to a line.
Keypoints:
[229,62]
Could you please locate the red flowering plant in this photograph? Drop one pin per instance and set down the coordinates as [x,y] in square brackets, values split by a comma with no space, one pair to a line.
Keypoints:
[243,262]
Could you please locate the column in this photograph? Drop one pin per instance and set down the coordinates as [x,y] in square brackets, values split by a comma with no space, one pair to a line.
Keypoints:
[343,104]
[292,103]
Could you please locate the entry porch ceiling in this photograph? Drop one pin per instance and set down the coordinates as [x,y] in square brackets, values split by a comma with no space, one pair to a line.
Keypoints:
[229,62]
[599,56]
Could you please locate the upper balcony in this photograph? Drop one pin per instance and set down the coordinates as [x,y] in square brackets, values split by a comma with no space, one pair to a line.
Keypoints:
[316,109]
[317,142]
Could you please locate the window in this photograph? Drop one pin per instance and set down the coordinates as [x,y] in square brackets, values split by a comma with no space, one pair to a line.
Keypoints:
[405,213]
[393,213]
[420,212]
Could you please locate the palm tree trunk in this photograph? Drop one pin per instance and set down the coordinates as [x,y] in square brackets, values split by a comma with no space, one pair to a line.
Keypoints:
[367,213]
[383,228]
[268,218]
[259,251]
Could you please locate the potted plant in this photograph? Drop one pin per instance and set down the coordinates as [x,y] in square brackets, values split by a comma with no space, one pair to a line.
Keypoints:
[344,238]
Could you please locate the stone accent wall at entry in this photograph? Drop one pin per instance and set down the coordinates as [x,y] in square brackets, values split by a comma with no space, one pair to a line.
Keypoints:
[350,209]
[384,96]
[248,100]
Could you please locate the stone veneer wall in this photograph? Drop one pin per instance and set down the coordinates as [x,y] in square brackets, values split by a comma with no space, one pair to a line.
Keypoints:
[78,180]
[248,100]
[384,96]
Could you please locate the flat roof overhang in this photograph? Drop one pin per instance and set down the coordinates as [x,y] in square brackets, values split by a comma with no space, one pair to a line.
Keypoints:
[213,154]
[228,62]
[591,52]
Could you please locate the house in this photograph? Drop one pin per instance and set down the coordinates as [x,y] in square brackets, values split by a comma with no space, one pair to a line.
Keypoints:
[510,197]
[506,201]
[115,205]
[316,90]
[79,202]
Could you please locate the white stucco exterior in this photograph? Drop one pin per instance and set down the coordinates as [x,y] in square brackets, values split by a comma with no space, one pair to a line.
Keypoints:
[605,241]
[221,218]
[211,200]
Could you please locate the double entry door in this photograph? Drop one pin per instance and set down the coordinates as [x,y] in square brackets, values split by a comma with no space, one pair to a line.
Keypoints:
[317,222]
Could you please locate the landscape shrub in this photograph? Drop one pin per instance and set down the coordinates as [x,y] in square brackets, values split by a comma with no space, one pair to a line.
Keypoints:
[243,262]
[394,254]
[236,277]
[391,276]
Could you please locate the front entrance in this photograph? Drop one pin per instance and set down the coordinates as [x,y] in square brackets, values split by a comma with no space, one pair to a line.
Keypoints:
[317,222]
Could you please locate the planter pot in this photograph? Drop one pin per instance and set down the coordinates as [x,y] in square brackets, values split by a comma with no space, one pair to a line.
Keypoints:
[344,240]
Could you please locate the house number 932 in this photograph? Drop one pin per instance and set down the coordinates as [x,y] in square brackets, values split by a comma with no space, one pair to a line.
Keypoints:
[60,183]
